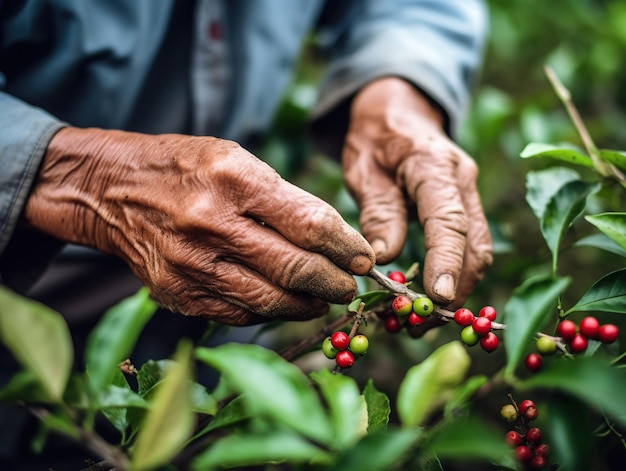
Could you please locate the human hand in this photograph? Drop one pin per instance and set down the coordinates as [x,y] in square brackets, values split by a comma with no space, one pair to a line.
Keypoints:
[396,156]
[210,229]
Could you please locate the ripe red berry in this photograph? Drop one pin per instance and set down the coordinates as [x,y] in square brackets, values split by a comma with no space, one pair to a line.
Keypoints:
[589,327]
[531,413]
[533,435]
[397,276]
[538,462]
[523,454]
[489,342]
[481,325]
[566,329]
[578,344]
[541,450]
[344,359]
[393,324]
[513,438]
[533,362]
[402,305]
[608,333]
[489,312]
[463,316]
[414,319]
[525,405]
[340,340]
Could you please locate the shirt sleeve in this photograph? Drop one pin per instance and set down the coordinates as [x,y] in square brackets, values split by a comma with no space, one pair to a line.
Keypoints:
[437,45]
[25,132]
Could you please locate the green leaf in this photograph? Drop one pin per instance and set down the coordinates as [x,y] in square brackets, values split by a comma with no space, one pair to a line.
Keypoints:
[562,209]
[370,298]
[348,412]
[526,312]
[608,294]
[25,387]
[235,411]
[565,154]
[170,421]
[378,407]
[601,241]
[256,449]
[470,439]
[589,379]
[150,373]
[430,384]
[611,224]
[570,432]
[39,339]
[615,157]
[113,339]
[272,386]
[378,451]
[463,393]
[543,184]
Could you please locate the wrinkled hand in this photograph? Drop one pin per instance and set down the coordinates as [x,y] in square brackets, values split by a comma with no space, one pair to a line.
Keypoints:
[209,228]
[396,157]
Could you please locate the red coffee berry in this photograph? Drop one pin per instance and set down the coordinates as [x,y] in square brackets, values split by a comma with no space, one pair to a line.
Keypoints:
[533,362]
[566,329]
[524,405]
[538,462]
[541,449]
[578,344]
[523,454]
[340,340]
[489,342]
[608,333]
[393,324]
[463,316]
[513,438]
[344,359]
[414,319]
[589,327]
[402,305]
[533,435]
[397,276]
[531,413]
[489,312]
[481,325]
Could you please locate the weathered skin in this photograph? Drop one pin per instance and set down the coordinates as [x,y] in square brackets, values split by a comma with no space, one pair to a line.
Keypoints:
[210,229]
[397,157]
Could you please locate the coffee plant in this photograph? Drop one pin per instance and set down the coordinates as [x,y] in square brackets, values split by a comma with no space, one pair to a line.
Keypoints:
[453,407]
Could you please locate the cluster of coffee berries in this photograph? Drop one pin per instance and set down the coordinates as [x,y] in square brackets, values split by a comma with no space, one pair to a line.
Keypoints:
[478,329]
[526,441]
[343,349]
[406,312]
[575,337]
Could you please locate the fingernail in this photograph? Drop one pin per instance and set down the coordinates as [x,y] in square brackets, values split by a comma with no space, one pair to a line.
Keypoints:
[444,287]
[361,264]
[379,246]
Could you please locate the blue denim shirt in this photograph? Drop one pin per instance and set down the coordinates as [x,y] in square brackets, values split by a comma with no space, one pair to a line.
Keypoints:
[124,64]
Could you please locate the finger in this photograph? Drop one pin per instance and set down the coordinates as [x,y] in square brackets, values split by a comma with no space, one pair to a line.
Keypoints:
[431,180]
[240,292]
[479,249]
[383,217]
[312,224]
[267,252]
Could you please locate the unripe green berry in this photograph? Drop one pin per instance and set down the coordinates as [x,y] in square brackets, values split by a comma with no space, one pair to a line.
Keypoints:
[545,345]
[423,306]
[359,344]
[328,349]
[469,337]
[508,413]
